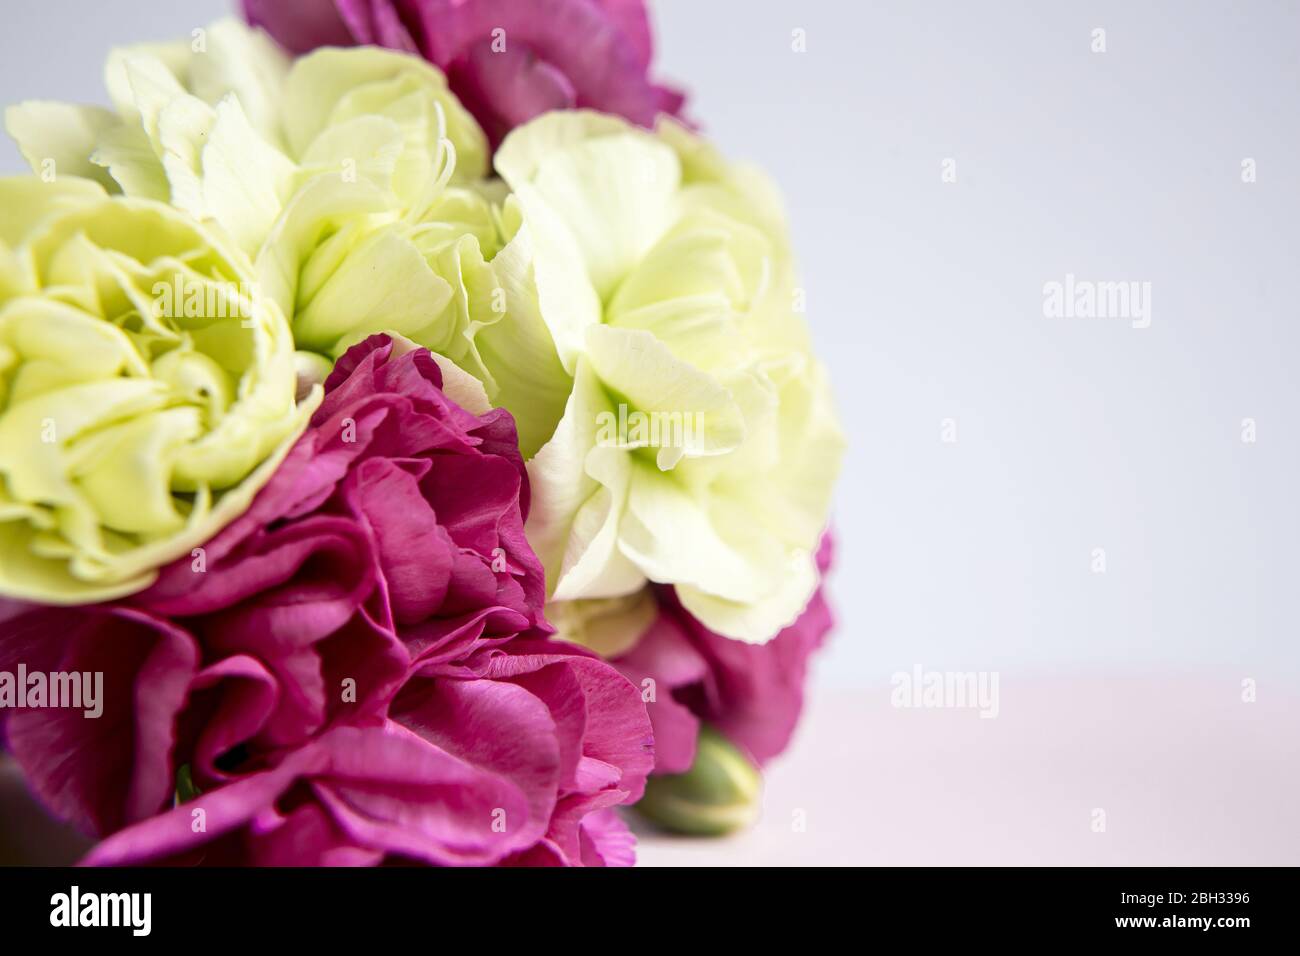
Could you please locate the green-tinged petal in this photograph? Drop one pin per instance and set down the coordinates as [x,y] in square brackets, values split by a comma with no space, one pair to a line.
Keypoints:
[751,195]
[184,127]
[27,201]
[609,626]
[131,160]
[245,179]
[153,87]
[701,329]
[367,147]
[579,492]
[326,210]
[335,85]
[612,193]
[758,620]
[812,447]
[518,353]
[382,285]
[701,539]
[596,195]
[247,64]
[681,411]
[62,346]
[121,479]
[311,369]
[61,133]
[567,297]
[759,456]
[522,153]
[174,57]
[593,565]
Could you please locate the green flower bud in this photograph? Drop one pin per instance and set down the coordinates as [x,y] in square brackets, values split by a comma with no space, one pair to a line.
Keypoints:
[721,793]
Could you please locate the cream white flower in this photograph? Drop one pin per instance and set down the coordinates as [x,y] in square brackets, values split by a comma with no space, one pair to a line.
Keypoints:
[699,445]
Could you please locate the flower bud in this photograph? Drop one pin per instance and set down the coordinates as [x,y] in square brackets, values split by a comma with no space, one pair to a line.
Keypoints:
[721,793]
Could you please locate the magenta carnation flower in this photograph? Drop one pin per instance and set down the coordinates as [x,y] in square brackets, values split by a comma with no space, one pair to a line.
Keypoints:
[507,60]
[752,693]
[355,671]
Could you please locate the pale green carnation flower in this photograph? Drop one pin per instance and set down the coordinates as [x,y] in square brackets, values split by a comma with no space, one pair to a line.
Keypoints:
[353,177]
[225,126]
[699,445]
[146,390]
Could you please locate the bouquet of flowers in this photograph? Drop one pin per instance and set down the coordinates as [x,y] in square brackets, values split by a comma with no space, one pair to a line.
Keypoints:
[411,448]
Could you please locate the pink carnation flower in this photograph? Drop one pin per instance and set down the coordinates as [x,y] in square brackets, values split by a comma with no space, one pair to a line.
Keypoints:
[355,671]
[752,693]
[507,60]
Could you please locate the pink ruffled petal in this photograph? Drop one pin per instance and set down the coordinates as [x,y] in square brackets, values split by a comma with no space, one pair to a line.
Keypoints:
[103,772]
[605,840]
[299,25]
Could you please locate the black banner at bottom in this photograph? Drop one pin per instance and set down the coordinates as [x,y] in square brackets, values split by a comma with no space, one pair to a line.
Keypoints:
[200,905]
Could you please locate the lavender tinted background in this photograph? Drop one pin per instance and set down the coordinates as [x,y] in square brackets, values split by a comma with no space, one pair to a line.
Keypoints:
[926,298]
[1072,434]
